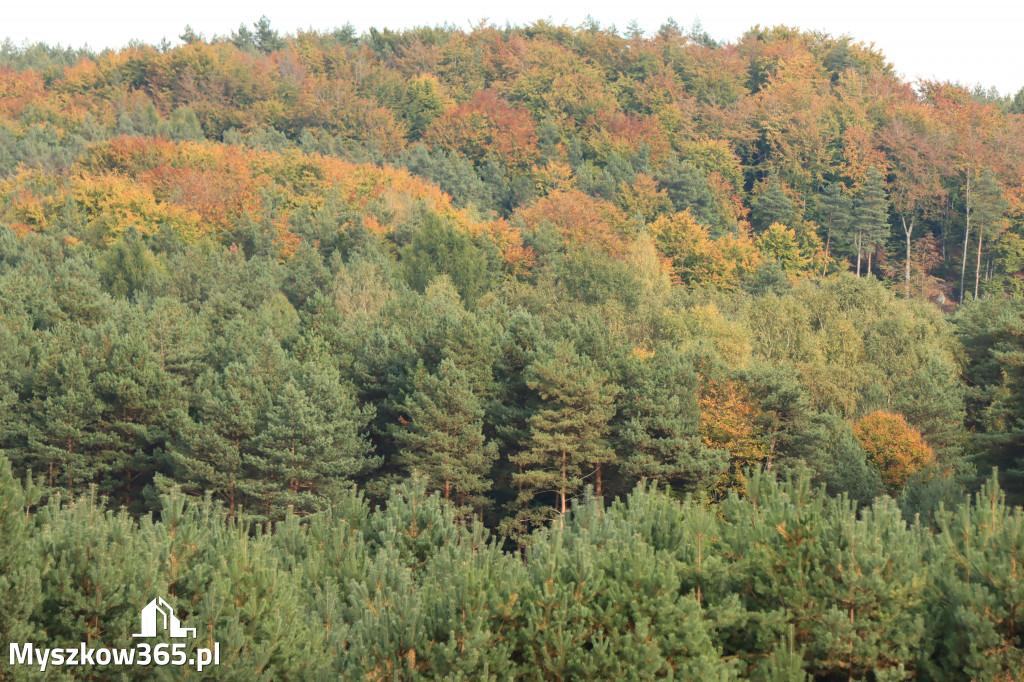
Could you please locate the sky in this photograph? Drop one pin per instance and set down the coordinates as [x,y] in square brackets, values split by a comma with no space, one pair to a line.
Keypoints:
[969,42]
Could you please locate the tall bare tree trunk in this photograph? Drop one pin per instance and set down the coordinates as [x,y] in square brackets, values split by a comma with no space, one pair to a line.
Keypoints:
[967,231]
[907,231]
[977,268]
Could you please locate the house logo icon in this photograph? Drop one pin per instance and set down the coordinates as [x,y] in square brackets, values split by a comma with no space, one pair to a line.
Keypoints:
[159,613]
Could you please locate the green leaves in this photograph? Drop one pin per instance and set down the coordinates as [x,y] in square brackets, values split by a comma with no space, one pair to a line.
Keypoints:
[438,249]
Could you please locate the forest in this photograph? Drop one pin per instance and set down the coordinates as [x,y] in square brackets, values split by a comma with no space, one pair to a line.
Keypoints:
[538,352]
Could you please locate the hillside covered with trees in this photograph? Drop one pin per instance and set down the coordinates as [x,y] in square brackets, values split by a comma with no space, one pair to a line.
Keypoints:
[514,353]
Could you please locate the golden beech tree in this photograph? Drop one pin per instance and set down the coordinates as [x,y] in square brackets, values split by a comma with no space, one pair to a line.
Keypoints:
[643,198]
[699,259]
[894,446]
[798,251]
[549,79]
[795,129]
[780,243]
[200,189]
[554,176]
[727,423]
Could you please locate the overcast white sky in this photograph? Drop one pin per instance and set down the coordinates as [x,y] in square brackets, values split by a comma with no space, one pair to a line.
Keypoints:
[970,42]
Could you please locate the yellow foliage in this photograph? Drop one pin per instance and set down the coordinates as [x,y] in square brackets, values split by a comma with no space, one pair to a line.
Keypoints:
[697,258]
[203,188]
[643,198]
[554,176]
[114,204]
[727,423]
[643,354]
[798,251]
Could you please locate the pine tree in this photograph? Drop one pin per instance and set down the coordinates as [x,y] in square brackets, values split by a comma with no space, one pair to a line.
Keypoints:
[835,213]
[311,447]
[783,417]
[209,455]
[440,436]
[657,424]
[568,432]
[810,562]
[237,588]
[438,248]
[991,332]
[989,207]
[602,602]
[145,407]
[127,267]
[688,188]
[871,217]
[508,414]
[62,438]
[19,566]
[842,465]
[978,598]
[772,205]
[473,348]
[98,572]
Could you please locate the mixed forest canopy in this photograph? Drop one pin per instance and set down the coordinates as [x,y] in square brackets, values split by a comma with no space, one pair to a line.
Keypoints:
[365,310]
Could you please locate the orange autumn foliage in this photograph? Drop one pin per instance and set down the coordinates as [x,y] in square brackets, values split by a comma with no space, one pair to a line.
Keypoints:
[616,132]
[727,423]
[202,189]
[487,125]
[17,90]
[558,108]
[581,220]
[895,447]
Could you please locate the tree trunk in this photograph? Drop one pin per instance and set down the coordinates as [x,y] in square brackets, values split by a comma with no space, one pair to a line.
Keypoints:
[977,268]
[870,254]
[599,486]
[907,231]
[967,232]
[828,241]
[945,231]
[561,520]
[858,261]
